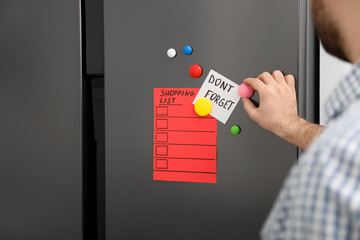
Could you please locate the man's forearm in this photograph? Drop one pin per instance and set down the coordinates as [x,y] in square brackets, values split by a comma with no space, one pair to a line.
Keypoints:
[302,133]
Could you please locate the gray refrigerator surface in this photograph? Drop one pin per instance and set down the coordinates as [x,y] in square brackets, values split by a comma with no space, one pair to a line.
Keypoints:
[40,102]
[238,39]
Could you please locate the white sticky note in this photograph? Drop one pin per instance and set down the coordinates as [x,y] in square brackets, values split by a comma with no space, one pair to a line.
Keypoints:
[222,93]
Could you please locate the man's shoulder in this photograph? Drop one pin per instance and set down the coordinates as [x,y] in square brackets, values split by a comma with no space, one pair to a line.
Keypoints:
[324,185]
[342,133]
[346,123]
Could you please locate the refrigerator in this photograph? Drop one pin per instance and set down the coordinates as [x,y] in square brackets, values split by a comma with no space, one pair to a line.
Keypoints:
[157,186]
[99,136]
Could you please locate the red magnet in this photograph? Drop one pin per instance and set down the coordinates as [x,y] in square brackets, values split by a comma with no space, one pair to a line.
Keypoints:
[195,71]
[245,91]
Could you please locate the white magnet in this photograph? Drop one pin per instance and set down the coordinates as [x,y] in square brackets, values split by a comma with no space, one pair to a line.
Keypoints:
[171,53]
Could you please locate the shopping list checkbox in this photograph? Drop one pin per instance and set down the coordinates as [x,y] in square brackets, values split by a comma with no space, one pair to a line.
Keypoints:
[222,94]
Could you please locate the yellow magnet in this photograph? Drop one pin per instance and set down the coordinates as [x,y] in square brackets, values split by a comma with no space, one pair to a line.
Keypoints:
[203,107]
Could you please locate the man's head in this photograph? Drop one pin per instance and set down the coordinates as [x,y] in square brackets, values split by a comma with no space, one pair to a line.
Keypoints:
[337,23]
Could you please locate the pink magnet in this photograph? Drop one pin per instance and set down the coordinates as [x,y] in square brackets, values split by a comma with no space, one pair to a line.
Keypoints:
[245,91]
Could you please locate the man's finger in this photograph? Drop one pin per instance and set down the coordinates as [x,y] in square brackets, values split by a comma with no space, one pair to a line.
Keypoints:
[266,77]
[290,80]
[249,108]
[256,83]
[279,77]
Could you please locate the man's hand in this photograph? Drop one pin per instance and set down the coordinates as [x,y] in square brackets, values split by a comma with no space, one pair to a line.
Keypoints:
[277,111]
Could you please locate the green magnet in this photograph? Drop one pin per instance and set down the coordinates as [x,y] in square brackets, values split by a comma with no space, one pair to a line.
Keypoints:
[235,130]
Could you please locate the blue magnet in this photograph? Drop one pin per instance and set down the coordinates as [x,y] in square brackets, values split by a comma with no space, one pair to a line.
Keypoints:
[188,50]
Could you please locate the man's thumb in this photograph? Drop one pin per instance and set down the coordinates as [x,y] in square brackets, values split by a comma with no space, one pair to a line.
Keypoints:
[249,107]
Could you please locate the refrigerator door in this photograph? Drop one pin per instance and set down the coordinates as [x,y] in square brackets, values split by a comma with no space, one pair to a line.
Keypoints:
[237,39]
[40,102]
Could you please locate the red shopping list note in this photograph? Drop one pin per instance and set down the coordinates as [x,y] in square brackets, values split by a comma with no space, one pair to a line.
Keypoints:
[184,143]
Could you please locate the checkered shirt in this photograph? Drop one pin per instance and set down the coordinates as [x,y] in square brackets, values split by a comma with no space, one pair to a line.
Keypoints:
[320,198]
